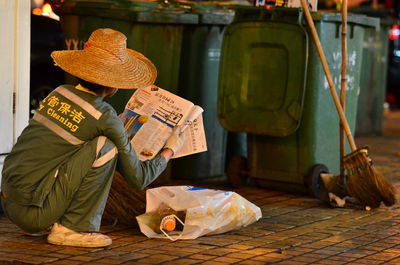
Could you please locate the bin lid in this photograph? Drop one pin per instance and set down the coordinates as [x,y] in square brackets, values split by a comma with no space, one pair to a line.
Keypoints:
[262,77]
[355,19]
[146,11]
[383,14]
[213,12]
[243,13]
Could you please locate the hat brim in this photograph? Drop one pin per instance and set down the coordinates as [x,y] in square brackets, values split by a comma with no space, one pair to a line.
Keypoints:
[103,68]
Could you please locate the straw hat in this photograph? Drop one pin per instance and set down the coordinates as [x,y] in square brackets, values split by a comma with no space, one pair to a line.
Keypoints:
[106,61]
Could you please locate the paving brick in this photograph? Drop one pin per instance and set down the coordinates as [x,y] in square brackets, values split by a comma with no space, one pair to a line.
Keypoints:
[183,261]
[152,252]
[108,261]
[239,255]
[251,262]
[357,253]
[218,251]
[393,250]
[341,257]
[82,258]
[40,259]
[256,242]
[258,251]
[366,262]
[57,255]
[180,252]
[393,261]
[132,256]
[315,256]
[289,262]
[268,258]
[383,256]
[77,251]
[201,257]
[215,241]
[305,259]
[241,246]
[211,262]
[329,262]
[374,248]
[67,262]
[227,260]
[156,259]
[320,244]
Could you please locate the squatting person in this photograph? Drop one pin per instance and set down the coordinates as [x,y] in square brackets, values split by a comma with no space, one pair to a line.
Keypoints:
[58,174]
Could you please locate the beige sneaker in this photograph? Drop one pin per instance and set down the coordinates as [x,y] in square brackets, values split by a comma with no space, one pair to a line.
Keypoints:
[61,235]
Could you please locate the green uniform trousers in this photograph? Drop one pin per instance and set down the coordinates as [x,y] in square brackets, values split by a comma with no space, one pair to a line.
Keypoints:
[78,196]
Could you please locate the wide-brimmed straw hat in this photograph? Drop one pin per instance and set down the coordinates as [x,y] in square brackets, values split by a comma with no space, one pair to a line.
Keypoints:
[106,61]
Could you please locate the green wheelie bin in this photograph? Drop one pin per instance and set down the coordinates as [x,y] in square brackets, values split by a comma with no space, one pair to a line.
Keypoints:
[272,86]
[198,82]
[153,28]
[370,111]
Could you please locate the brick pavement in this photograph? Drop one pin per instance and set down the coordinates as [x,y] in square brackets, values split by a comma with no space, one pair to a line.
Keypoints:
[294,229]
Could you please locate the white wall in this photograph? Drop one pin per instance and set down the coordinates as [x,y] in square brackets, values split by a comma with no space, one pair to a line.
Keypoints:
[14,71]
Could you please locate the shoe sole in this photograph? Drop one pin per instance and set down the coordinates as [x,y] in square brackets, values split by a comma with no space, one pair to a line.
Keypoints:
[63,243]
[36,234]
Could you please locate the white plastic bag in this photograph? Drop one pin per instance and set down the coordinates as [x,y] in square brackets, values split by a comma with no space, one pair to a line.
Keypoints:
[207,211]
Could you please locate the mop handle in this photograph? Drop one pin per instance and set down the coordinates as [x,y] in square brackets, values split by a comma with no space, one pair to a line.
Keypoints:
[328,76]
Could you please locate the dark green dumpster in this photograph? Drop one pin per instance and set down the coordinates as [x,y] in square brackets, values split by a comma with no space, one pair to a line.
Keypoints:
[272,86]
[153,28]
[198,82]
[373,74]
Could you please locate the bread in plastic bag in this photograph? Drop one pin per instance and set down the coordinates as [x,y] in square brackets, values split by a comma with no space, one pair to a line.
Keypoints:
[207,211]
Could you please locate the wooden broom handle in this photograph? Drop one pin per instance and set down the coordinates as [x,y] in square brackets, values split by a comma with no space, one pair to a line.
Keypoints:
[328,76]
[343,83]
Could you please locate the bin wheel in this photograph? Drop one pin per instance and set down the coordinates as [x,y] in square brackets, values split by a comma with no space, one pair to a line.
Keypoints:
[237,171]
[313,179]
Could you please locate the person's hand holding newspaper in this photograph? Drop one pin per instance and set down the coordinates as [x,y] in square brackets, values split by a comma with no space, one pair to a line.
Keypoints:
[176,140]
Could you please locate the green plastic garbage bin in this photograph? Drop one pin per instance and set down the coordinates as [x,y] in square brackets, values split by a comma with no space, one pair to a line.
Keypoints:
[273,87]
[153,28]
[373,74]
[198,82]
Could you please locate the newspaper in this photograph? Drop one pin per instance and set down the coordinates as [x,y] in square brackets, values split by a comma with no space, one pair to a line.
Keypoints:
[150,117]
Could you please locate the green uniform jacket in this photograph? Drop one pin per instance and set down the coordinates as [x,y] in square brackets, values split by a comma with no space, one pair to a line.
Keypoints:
[64,122]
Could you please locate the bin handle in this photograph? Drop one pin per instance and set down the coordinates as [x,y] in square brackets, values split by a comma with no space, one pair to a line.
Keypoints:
[300,18]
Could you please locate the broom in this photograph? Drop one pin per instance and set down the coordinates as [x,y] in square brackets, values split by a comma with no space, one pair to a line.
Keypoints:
[363,182]
[124,203]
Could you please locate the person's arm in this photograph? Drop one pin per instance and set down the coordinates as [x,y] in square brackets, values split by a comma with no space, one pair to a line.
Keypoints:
[137,173]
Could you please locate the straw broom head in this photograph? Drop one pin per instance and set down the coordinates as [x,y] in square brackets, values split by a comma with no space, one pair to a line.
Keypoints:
[124,203]
[364,183]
